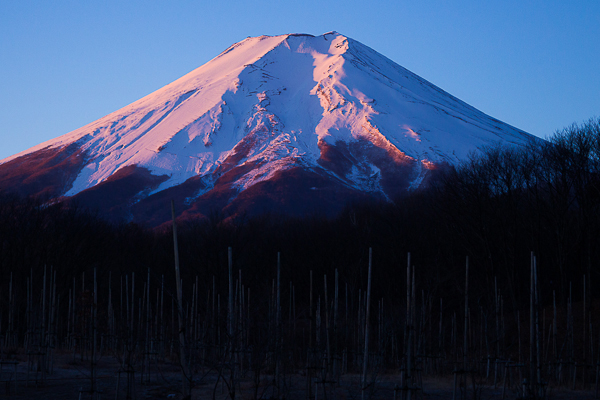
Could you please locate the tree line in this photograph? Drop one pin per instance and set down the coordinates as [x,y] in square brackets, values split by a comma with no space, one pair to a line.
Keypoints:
[497,207]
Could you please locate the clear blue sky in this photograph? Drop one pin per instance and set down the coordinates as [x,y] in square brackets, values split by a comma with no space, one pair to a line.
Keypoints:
[63,64]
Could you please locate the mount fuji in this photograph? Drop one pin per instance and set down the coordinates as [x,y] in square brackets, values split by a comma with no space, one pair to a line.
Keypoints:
[294,124]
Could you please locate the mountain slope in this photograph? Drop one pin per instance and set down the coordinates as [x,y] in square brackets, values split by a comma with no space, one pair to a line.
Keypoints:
[268,122]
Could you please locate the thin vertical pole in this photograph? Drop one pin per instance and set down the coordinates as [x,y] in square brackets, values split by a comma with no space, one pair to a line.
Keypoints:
[531,326]
[230,298]
[554,327]
[310,334]
[185,378]
[335,323]
[278,323]
[537,326]
[366,354]
[465,341]
[408,335]
[95,331]
[584,326]
[327,324]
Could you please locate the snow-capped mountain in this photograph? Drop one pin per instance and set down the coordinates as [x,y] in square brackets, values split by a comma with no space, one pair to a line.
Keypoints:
[291,123]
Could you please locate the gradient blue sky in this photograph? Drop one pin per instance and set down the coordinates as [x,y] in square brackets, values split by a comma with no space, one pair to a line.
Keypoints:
[64,64]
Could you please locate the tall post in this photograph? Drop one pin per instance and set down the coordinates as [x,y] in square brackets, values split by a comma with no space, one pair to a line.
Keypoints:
[538,357]
[328,348]
[230,299]
[335,325]
[497,311]
[366,354]
[409,317]
[278,324]
[10,313]
[584,323]
[230,322]
[554,327]
[109,309]
[531,327]
[185,375]
[146,366]
[42,343]
[94,338]
[310,334]
[465,338]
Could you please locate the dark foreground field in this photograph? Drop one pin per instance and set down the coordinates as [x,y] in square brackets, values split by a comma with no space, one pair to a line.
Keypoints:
[70,379]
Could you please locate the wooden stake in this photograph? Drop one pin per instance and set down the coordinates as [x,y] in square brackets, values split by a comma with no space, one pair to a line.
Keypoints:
[465,336]
[185,373]
[531,327]
[328,348]
[366,353]
[230,298]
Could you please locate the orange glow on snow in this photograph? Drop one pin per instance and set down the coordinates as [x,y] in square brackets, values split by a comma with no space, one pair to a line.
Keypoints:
[428,164]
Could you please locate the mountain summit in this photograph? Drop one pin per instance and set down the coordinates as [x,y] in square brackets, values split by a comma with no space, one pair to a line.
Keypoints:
[293,123]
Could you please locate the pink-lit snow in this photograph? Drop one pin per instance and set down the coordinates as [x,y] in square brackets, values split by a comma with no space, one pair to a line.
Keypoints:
[290,91]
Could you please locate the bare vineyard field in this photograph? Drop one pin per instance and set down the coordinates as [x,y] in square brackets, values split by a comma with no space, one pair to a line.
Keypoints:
[138,338]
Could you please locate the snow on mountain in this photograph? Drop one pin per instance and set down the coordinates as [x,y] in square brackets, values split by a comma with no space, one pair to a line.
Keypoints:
[308,108]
